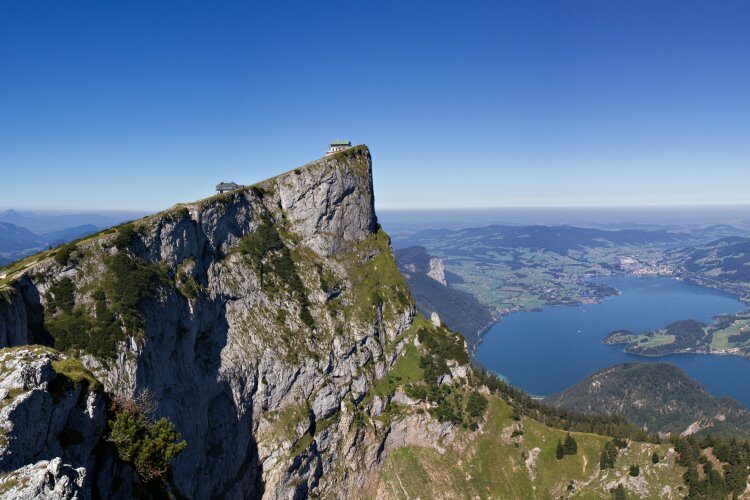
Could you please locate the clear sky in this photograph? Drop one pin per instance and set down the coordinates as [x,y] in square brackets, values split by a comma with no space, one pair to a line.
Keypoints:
[139,104]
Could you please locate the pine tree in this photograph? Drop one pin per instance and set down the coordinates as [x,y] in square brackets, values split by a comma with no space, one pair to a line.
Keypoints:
[608,456]
[570,447]
[619,493]
[690,477]
[516,415]
[736,478]
[559,452]
[655,458]
[735,454]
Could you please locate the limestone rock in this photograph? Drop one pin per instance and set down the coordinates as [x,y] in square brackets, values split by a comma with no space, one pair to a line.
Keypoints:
[50,426]
[259,374]
[46,480]
[458,371]
[44,414]
[435,319]
[437,271]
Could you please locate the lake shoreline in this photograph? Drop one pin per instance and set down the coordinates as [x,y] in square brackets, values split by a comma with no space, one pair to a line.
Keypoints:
[499,317]
[548,351]
[671,339]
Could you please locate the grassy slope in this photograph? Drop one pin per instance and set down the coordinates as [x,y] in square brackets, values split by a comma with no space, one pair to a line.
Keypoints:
[720,340]
[491,464]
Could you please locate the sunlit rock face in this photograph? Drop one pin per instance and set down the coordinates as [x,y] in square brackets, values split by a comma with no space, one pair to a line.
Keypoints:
[266,316]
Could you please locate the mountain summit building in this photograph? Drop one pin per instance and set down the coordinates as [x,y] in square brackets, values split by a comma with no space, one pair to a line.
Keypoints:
[223,187]
[337,146]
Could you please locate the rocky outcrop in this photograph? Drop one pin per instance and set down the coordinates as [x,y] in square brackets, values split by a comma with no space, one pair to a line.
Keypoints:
[45,414]
[437,271]
[329,203]
[53,417]
[435,319]
[47,479]
[260,319]
[21,315]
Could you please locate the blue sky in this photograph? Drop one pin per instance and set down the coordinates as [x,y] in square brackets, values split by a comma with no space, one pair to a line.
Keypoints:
[142,104]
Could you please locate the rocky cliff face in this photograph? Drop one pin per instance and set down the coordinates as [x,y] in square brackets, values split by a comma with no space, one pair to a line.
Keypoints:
[437,271]
[262,320]
[52,419]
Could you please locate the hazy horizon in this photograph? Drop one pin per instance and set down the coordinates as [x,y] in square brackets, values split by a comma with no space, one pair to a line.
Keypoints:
[406,221]
[674,217]
[551,208]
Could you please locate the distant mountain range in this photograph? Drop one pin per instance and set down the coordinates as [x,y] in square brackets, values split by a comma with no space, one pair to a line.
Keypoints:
[658,396]
[42,223]
[718,231]
[724,263]
[17,242]
[562,239]
[23,233]
[727,221]
[15,238]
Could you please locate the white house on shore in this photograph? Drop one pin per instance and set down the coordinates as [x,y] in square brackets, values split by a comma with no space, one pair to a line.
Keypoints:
[337,146]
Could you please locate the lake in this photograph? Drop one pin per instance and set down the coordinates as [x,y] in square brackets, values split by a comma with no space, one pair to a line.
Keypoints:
[548,351]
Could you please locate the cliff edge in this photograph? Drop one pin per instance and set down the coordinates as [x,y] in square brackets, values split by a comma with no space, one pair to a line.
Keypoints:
[260,320]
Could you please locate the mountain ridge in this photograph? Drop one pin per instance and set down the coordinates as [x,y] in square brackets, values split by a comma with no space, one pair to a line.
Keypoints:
[209,254]
[17,242]
[16,238]
[40,223]
[657,396]
[723,263]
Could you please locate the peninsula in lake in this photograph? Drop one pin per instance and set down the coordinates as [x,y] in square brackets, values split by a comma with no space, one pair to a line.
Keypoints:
[727,335]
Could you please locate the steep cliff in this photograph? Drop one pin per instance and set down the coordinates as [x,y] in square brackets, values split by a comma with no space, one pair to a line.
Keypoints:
[53,414]
[260,320]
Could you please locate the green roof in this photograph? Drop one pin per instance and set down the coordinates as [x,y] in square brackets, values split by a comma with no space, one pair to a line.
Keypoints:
[340,143]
